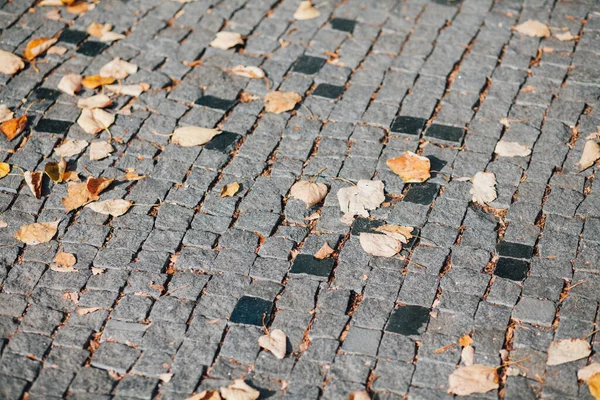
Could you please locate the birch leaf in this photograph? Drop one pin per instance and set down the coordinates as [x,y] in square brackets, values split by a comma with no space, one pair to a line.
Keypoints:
[379,245]
[410,167]
[588,371]
[398,232]
[324,252]
[56,170]
[356,200]
[230,189]
[113,207]
[40,232]
[567,350]
[95,120]
[13,127]
[306,11]
[71,148]
[5,113]
[109,37]
[533,28]
[4,169]
[129,90]
[34,182]
[476,378]
[63,262]
[100,150]
[565,36]
[483,189]
[97,101]
[70,84]
[37,46]
[467,355]
[275,341]
[248,72]
[118,69]
[279,102]
[309,192]
[97,29]
[189,136]
[226,40]
[591,153]
[205,394]
[239,390]
[10,64]
[511,149]
[77,196]
[94,81]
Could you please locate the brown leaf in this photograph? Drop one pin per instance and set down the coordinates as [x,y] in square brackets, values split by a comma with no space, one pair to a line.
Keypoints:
[309,192]
[306,11]
[13,127]
[70,84]
[34,182]
[63,262]
[4,169]
[118,69]
[379,245]
[71,148]
[56,170]
[80,194]
[98,185]
[483,189]
[230,189]
[324,252]
[97,101]
[94,81]
[5,113]
[239,390]
[398,232]
[113,207]
[33,234]
[279,102]
[410,167]
[567,350]
[594,386]
[189,136]
[533,28]
[274,341]
[591,154]
[226,40]
[37,46]
[465,340]
[476,378]
[10,64]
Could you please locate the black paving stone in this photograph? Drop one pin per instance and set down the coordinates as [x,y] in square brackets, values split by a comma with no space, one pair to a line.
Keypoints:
[515,250]
[343,24]
[309,65]
[422,193]
[224,142]
[328,91]
[46,94]
[408,320]
[307,264]
[252,311]
[408,125]
[72,36]
[510,268]
[53,126]
[365,225]
[445,132]
[91,49]
[215,102]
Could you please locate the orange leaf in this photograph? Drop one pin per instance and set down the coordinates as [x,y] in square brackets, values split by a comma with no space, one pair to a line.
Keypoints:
[37,46]
[13,127]
[410,167]
[93,81]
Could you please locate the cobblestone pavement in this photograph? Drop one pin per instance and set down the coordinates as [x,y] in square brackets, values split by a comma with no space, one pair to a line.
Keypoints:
[181,287]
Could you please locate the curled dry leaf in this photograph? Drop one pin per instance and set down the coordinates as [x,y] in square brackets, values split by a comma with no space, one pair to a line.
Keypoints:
[97,29]
[71,148]
[100,150]
[189,136]
[34,182]
[226,40]
[40,232]
[63,262]
[533,28]
[476,378]
[37,46]
[118,69]
[94,81]
[379,245]
[356,200]
[483,189]
[230,189]
[111,37]
[248,72]
[112,207]
[398,232]
[567,350]
[70,84]
[4,169]
[13,127]
[565,36]
[410,167]
[279,102]
[511,149]
[359,396]
[56,170]
[95,120]
[5,113]
[324,252]
[306,11]
[239,390]
[309,192]
[274,341]
[97,101]
[80,194]
[591,154]
[129,90]
[10,64]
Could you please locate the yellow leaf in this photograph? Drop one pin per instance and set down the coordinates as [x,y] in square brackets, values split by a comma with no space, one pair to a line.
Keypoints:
[13,127]
[37,233]
[100,150]
[356,200]
[79,7]
[93,81]
[56,170]
[9,63]
[4,169]
[230,189]
[37,46]
[279,102]
[97,29]
[594,386]
[410,167]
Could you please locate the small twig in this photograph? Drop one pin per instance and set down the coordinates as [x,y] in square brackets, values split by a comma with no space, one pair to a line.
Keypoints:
[344,180]
[315,176]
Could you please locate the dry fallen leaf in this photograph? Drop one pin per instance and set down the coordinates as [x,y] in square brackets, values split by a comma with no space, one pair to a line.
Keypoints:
[71,148]
[410,167]
[95,120]
[4,169]
[79,7]
[226,40]
[13,127]
[476,378]
[275,341]
[111,37]
[34,182]
[483,189]
[356,200]
[565,36]
[309,192]
[70,84]
[465,340]
[324,252]
[130,175]
[37,46]
[97,29]
[230,189]
[87,310]
[594,386]
[97,185]
[248,72]
[129,90]
[567,350]
[118,69]
[188,136]
[205,394]
[97,271]
[100,150]
[63,262]
[112,207]
[511,149]
[56,170]
[94,81]
[398,232]
[359,396]
[306,11]
[533,28]
[80,194]
[71,296]
[279,102]
[379,245]
[5,113]
[591,153]
[239,390]
[37,233]
[97,101]
[467,355]
[10,64]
